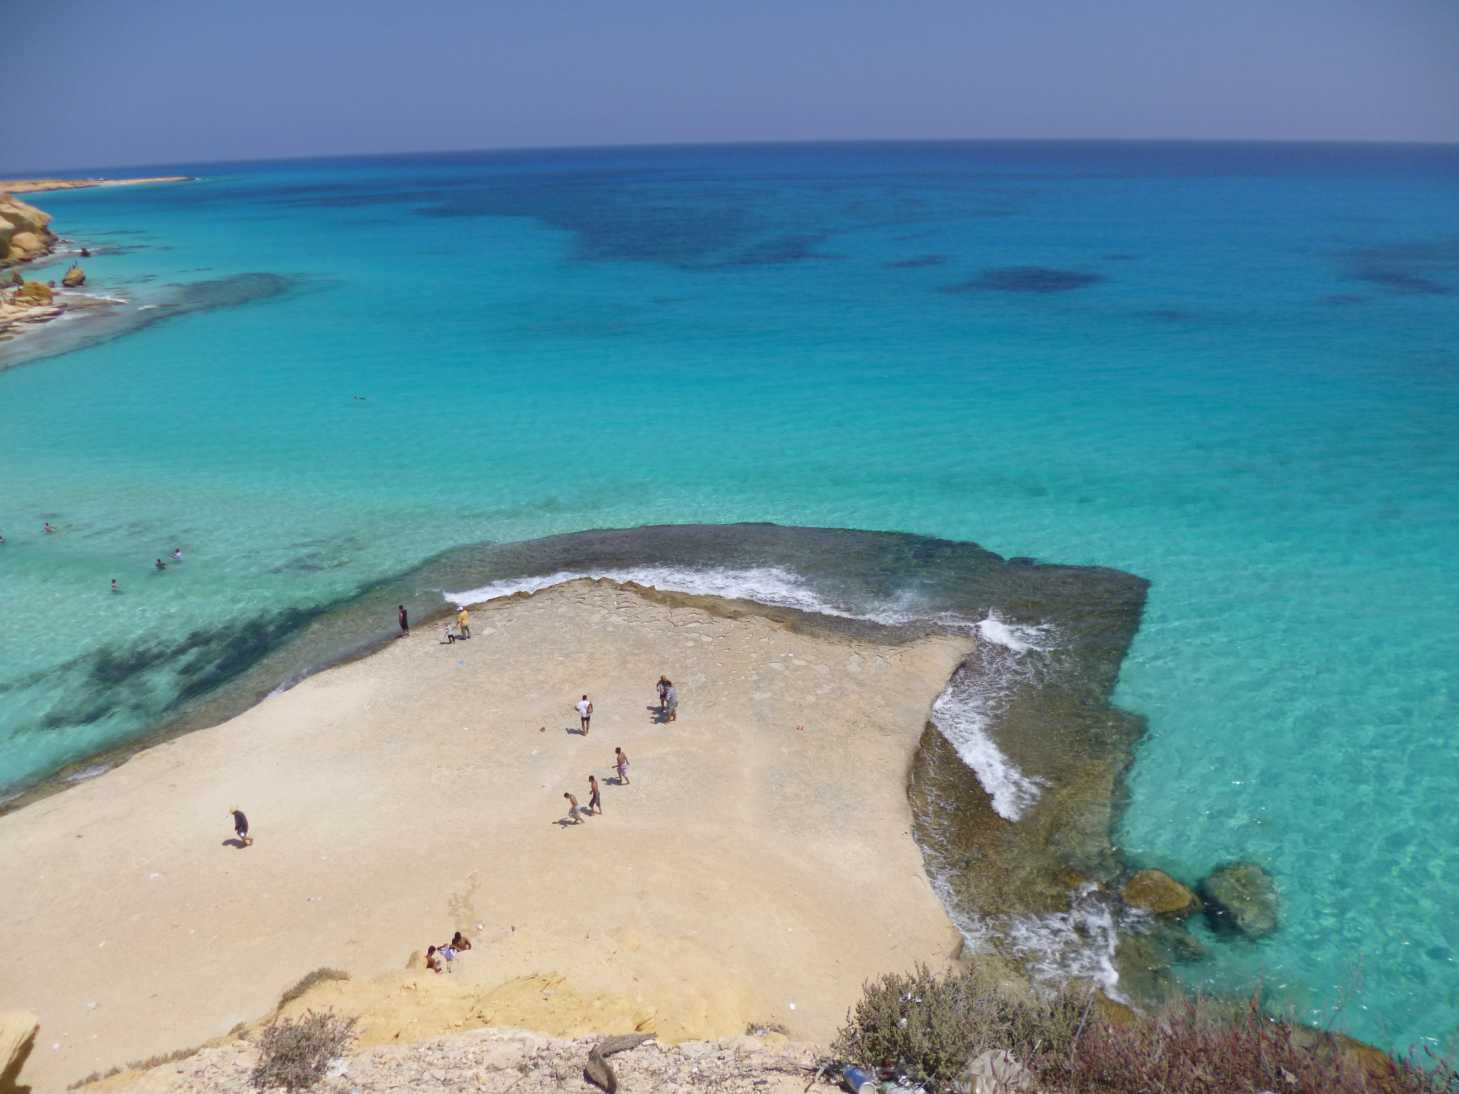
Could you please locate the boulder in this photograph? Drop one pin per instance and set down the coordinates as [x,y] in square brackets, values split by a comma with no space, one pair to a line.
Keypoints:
[998,1072]
[17,1038]
[24,231]
[75,277]
[33,294]
[1241,897]
[15,278]
[1158,892]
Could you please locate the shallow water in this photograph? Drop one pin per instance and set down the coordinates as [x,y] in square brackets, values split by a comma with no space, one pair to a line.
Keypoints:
[1230,370]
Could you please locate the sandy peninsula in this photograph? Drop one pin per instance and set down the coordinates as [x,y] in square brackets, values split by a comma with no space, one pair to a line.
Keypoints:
[36,186]
[758,868]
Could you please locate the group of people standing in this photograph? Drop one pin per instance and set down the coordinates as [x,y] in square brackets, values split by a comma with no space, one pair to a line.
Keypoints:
[668,712]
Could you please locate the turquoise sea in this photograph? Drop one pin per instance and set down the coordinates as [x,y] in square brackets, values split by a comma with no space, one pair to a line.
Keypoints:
[1232,370]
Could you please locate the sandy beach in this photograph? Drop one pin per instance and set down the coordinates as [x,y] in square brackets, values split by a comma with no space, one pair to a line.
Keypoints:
[37,186]
[753,871]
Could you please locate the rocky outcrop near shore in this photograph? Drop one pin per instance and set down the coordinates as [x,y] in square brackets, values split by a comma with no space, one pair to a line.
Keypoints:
[25,231]
[33,302]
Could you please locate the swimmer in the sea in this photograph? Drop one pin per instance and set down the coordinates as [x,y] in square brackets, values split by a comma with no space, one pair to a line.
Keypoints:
[114,586]
[159,565]
[47,528]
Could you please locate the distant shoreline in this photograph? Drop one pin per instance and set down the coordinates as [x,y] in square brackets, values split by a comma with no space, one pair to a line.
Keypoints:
[37,186]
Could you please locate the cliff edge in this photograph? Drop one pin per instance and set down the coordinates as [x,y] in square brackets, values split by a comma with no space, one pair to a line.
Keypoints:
[25,231]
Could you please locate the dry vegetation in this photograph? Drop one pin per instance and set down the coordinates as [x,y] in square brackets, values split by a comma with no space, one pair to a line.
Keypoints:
[931,1026]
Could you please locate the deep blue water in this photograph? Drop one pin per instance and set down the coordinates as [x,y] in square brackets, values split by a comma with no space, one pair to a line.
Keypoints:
[1230,369]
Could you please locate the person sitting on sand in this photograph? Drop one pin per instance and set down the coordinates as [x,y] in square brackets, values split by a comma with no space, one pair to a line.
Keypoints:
[463,620]
[620,762]
[585,713]
[432,961]
[240,828]
[573,811]
[663,686]
[595,799]
[460,942]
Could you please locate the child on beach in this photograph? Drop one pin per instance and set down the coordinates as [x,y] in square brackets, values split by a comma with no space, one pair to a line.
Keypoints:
[671,704]
[663,686]
[573,812]
[595,800]
[620,762]
[585,713]
[240,828]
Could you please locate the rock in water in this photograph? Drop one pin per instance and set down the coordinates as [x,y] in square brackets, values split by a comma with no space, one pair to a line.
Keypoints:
[1242,897]
[34,294]
[17,1038]
[1158,892]
[75,277]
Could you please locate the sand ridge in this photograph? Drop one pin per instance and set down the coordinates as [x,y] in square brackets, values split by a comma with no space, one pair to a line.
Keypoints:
[751,872]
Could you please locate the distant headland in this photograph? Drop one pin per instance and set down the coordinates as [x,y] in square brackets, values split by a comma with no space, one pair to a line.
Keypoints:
[36,186]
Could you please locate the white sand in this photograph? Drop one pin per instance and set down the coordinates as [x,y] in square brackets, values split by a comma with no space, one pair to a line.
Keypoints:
[751,872]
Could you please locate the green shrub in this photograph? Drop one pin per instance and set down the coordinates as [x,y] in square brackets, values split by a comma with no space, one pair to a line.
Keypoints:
[295,1053]
[931,1025]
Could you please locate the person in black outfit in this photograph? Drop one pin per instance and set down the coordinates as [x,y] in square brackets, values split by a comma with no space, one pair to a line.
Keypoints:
[404,621]
[240,827]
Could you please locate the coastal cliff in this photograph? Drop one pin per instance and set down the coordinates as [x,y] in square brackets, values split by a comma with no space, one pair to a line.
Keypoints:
[25,231]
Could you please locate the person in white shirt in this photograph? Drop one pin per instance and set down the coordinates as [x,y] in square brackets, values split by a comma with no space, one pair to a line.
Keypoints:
[585,713]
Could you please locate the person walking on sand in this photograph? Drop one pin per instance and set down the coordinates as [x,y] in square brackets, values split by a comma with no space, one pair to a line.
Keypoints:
[585,713]
[663,686]
[463,620]
[573,812]
[620,762]
[671,703]
[240,828]
[404,621]
[595,800]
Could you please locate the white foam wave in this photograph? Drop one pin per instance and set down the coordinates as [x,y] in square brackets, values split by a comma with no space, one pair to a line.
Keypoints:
[772,585]
[1019,637]
[962,714]
[1075,945]
[146,307]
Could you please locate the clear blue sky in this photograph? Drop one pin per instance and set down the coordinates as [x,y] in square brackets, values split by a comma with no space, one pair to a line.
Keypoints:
[101,82]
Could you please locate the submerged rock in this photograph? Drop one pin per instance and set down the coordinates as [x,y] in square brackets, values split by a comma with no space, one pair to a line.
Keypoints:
[75,277]
[1241,897]
[1158,892]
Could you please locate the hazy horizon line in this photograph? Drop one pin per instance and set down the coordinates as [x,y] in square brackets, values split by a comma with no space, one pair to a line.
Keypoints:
[61,172]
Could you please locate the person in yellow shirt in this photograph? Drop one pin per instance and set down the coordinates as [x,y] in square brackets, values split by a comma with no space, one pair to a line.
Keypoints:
[463,620]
